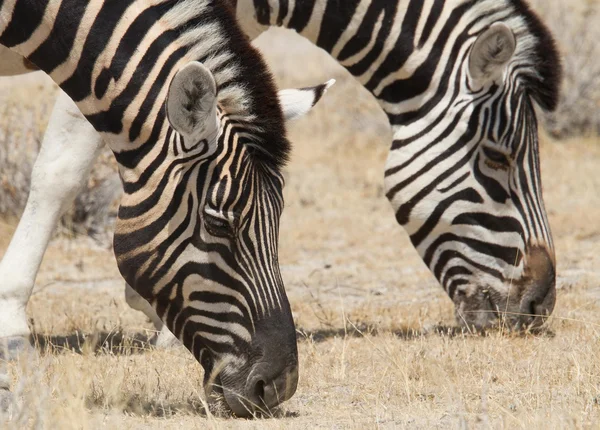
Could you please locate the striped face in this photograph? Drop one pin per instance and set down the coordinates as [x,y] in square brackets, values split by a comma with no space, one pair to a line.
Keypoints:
[465,181]
[202,246]
[457,79]
[211,261]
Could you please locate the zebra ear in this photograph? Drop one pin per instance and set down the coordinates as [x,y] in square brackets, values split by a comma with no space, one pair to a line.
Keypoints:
[297,103]
[192,102]
[491,52]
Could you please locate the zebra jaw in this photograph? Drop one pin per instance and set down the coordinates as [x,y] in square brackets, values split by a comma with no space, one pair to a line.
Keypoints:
[255,385]
[525,304]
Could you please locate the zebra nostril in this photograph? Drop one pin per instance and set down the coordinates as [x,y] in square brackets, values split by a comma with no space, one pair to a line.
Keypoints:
[533,307]
[259,390]
[538,298]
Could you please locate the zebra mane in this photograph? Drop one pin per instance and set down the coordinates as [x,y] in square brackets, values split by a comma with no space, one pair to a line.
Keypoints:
[246,90]
[270,134]
[265,114]
[543,81]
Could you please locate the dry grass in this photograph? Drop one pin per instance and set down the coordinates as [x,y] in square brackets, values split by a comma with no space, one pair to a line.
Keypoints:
[377,347]
[574,24]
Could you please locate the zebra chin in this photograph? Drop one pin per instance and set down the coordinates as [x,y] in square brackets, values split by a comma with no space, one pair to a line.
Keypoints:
[257,397]
[517,304]
[265,378]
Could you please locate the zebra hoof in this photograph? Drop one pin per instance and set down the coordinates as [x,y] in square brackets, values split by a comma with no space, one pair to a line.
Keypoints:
[13,347]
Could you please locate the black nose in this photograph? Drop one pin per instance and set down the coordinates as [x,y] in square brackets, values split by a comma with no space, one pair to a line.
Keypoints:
[273,374]
[539,295]
[265,390]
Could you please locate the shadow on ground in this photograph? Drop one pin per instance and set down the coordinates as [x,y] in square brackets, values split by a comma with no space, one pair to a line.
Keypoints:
[116,342]
[121,343]
[366,329]
[409,334]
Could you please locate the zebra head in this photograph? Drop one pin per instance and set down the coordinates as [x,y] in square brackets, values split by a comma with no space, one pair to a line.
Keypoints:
[201,247]
[465,177]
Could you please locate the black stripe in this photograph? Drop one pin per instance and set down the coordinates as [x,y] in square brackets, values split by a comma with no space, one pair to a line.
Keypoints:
[467,195]
[490,222]
[402,90]
[375,10]
[79,85]
[363,35]
[25,19]
[152,95]
[405,89]
[404,211]
[455,183]
[129,44]
[150,202]
[450,254]
[283,11]
[455,284]
[301,14]
[458,117]
[56,48]
[263,11]
[507,254]
[403,48]
[336,18]
[492,187]
[191,218]
[432,19]
[130,159]
[111,121]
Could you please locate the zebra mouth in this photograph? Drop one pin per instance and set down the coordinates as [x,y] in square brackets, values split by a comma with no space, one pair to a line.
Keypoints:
[225,398]
[478,313]
[215,399]
[227,402]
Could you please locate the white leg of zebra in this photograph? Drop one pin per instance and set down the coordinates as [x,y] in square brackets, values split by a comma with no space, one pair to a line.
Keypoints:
[62,167]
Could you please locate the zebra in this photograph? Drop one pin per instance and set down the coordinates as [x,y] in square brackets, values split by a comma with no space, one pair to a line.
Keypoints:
[458,81]
[191,113]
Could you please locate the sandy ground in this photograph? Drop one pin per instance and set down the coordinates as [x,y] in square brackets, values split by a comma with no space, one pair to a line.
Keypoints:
[377,348]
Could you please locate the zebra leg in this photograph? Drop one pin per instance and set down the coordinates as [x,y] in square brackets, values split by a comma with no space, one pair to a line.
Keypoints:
[164,338]
[68,151]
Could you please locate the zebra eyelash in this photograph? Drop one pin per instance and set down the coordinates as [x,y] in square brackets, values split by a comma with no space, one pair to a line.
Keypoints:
[496,159]
[220,226]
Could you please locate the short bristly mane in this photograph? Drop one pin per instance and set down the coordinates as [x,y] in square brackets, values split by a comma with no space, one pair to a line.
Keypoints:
[544,84]
[246,88]
[263,103]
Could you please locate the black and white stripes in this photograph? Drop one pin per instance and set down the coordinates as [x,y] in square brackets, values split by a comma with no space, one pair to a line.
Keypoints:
[191,113]
[458,80]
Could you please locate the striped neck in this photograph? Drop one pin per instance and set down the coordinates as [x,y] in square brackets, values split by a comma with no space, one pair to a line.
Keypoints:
[115,60]
[393,48]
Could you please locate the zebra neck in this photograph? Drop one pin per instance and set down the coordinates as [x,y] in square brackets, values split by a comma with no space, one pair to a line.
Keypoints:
[116,58]
[393,48]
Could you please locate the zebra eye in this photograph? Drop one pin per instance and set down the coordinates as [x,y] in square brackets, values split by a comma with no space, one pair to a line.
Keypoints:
[217,226]
[495,159]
